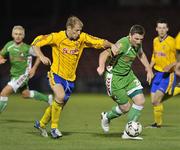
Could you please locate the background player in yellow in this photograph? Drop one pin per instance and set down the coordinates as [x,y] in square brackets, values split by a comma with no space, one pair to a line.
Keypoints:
[164,61]
[67,47]
[178,55]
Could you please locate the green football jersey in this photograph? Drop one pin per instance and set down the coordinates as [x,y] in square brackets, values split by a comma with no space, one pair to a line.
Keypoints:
[121,64]
[18,55]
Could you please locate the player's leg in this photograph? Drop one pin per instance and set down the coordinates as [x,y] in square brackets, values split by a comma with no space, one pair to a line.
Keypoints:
[56,109]
[134,91]
[62,90]
[137,106]
[6,91]
[135,112]
[115,112]
[26,93]
[41,125]
[157,108]
[165,86]
[176,91]
[115,89]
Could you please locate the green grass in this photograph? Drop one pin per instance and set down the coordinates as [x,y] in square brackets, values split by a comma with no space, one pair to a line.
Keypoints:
[80,125]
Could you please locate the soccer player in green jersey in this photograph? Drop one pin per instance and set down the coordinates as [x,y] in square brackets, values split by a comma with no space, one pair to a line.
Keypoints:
[20,56]
[121,82]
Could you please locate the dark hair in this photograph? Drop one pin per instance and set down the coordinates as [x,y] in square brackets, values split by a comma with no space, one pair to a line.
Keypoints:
[137,29]
[162,20]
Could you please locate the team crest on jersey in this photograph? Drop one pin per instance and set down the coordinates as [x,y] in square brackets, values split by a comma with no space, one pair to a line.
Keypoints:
[72,52]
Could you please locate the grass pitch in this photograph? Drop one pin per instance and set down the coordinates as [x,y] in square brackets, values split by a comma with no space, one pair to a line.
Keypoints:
[80,125]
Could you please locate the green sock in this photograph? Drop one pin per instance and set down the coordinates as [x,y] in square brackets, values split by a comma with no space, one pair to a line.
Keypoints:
[134,113]
[3,103]
[39,96]
[114,113]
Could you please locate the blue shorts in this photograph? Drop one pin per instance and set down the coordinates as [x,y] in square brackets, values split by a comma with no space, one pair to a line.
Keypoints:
[67,85]
[164,81]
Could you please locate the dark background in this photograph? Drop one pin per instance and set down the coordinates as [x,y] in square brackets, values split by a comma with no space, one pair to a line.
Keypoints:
[109,19]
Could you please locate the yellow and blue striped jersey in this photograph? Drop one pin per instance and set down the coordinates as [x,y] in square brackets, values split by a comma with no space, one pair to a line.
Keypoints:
[65,52]
[164,52]
[178,41]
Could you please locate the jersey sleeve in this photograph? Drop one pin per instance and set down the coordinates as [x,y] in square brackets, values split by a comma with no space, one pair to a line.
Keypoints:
[31,51]
[91,41]
[43,40]
[173,51]
[122,44]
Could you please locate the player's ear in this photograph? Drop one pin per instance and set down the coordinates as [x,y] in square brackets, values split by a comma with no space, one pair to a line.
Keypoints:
[167,29]
[156,29]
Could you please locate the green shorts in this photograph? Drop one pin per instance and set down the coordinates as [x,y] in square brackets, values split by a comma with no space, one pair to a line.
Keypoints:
[121,88]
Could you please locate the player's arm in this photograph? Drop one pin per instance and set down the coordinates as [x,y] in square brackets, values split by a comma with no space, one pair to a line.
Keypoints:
[3,53]
[142,57]
[98,43]
[152,61]
[102,61]
[34,67]
[2,59]
[172,58]
[38,43]
[45,60]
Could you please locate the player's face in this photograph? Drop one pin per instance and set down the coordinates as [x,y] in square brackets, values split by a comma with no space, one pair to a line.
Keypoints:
[136,39]
[162,29]
[18,35]
[75,32]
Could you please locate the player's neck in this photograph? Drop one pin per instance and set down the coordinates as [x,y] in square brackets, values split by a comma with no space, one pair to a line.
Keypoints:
[68,35]
[18,43]
[162,38]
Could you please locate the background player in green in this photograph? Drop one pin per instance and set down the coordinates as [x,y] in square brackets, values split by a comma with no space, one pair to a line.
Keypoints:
[121,83]
[20,60]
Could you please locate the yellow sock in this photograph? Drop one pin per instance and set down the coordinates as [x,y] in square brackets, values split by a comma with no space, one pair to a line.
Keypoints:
[158,111]
[55,116]
[46,117]
[176,91]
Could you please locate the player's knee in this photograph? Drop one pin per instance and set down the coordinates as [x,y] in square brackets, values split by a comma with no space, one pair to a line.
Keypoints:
[139,102]
[125,107]
[60,97]
[155,103]
[25,94]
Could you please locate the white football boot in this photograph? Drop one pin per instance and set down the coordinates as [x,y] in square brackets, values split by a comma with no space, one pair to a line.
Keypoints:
[125,136]
[104,122]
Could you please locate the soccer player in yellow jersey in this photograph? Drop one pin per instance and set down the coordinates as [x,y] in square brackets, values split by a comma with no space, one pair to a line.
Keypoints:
[178,46]
[177,69]
[67,47]
[163,61]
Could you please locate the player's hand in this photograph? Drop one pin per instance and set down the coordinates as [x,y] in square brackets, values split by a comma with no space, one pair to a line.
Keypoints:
[45,60]
[177,69]
[2,60]
[150,76]
[31,73]
[100,70]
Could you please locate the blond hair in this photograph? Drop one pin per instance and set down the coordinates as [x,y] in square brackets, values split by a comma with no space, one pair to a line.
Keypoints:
[18,27]
[72,21]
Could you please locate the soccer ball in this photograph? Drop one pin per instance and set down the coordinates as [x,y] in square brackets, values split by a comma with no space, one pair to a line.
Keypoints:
[133,128]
